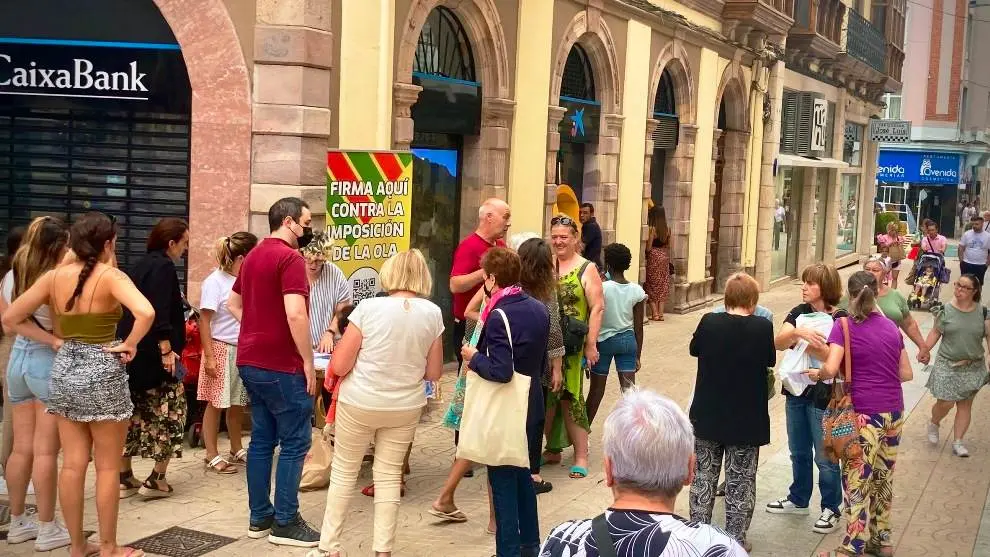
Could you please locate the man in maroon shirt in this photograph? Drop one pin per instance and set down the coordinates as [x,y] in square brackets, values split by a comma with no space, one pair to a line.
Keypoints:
[494,219]
[275,360]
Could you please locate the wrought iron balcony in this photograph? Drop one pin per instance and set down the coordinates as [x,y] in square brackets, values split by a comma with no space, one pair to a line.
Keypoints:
[866,43]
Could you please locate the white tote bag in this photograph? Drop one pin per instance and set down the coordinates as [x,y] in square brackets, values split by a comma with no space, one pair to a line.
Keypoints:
[493,425]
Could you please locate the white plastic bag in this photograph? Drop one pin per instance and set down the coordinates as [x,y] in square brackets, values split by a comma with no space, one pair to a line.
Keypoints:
[797,361]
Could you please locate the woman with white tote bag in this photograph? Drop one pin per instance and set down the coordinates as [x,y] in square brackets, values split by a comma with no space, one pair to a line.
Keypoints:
[502,425]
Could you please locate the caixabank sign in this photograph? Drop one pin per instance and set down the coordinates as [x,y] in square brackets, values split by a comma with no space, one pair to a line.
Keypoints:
[918,167]
[120,72]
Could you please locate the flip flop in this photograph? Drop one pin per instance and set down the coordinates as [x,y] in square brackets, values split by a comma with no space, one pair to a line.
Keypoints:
[453,516]
[578,472]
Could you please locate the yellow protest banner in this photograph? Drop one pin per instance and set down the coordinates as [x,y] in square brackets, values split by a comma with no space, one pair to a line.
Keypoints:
[369,206]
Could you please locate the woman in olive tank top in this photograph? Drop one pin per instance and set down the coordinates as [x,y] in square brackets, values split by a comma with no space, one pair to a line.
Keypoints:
[88,386]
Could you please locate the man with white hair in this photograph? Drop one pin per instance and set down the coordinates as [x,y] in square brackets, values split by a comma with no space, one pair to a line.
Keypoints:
[648,444]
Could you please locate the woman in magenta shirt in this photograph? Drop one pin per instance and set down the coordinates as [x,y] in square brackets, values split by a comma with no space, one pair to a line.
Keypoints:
[879,366]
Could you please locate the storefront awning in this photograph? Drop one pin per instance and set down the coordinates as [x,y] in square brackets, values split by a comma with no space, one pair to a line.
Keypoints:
[810,162]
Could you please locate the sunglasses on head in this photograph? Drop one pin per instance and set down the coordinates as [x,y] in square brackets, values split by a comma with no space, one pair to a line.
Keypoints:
[562,219]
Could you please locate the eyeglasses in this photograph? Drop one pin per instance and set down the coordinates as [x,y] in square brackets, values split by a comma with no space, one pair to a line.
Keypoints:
[562,220]
[958,284]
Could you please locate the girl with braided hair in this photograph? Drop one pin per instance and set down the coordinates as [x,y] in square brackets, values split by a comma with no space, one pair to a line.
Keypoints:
[88,388]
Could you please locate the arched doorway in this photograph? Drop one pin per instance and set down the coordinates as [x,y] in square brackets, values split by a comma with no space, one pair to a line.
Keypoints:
[446,117]
[109,131]
[578,130]
[584,123]
[727,192]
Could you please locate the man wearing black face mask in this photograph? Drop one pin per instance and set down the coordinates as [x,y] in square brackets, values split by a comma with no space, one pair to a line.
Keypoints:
[275,359]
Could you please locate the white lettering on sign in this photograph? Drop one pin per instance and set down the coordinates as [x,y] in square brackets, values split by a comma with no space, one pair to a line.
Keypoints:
[891,170]
[819,125]
[83,76]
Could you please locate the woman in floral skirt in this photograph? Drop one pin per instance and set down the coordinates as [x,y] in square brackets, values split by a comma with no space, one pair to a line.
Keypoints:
[157,426]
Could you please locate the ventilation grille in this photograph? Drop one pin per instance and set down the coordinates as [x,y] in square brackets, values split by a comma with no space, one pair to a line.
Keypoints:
[668,129]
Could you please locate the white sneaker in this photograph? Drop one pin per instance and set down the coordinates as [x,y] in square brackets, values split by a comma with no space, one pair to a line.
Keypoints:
[22,529]
[826,523]
[932,433]
[959,449]
[51,536]
[785,506]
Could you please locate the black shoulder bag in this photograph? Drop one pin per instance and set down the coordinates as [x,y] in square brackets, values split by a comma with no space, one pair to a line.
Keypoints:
[603,539]
[573,329]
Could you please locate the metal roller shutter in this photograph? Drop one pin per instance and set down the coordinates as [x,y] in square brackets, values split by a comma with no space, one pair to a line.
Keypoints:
[64,162]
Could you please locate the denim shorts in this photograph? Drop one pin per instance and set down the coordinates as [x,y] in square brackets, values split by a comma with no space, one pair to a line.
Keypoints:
[29,370]
[623,348]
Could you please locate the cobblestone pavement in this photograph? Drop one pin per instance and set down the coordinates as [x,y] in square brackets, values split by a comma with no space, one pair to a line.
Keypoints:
[939,499]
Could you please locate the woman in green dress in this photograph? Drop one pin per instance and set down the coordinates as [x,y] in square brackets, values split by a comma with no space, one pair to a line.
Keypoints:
[579,288]
[894,305]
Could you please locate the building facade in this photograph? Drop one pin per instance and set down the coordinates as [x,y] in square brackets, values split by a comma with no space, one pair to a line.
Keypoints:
[626,104]
[947,102]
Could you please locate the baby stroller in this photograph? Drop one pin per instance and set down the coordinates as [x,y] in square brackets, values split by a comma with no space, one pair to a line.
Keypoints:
[931,273]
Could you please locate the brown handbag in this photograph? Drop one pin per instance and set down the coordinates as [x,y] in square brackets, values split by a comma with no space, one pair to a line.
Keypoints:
[895,252]
[840,424]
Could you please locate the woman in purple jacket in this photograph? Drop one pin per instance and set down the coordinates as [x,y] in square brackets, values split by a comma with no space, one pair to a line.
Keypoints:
[496,358]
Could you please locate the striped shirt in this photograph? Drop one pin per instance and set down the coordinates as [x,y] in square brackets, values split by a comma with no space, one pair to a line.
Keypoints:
[331,288]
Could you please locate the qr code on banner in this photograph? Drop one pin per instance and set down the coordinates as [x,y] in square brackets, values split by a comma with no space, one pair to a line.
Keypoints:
[364,288]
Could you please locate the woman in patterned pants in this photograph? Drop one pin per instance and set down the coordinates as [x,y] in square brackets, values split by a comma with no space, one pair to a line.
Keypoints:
[729,411]
[879,364]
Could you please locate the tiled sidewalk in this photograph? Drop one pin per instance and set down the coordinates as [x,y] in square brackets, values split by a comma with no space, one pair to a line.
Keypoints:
[939,499]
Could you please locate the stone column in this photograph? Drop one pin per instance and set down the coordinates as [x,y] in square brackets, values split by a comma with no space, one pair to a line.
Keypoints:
[732,209]
[554,117]
[712,208]
[771,148]
[404,95]
[806,217]
[291,120]
[496,138]
[605,193]
[867,194]
[677,200]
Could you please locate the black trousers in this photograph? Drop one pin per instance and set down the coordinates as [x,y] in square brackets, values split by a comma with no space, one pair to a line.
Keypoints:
[970,269]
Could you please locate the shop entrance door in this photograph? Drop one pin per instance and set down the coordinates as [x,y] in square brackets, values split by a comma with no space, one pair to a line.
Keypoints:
[64,162]
[436,215]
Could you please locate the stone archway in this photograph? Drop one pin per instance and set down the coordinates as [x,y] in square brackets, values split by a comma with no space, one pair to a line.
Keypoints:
[220,150]
[486,156]
[679,164]
[728,186]
[589,30]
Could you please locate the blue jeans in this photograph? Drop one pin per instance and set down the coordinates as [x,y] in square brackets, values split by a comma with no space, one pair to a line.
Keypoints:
[28,371]
[517,521]
[804,439]
[623,348]
[281,411]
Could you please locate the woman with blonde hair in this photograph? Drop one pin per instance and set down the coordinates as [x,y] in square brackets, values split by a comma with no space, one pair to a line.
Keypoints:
[391,345]
[891,246]
[88,389]
[219,381]
[35,432]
